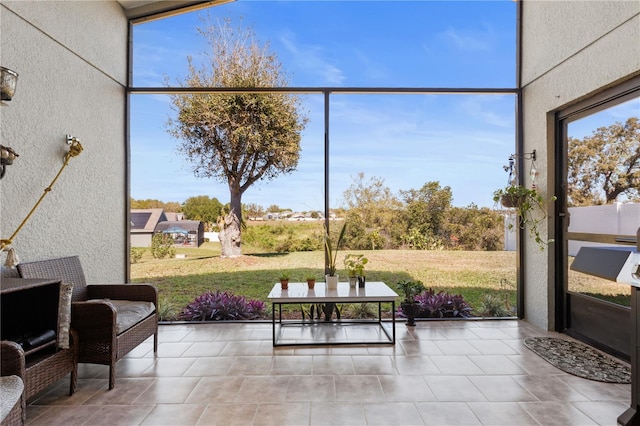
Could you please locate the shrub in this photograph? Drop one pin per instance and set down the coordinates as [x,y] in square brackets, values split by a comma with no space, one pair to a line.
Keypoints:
[136,254]
[167,310]
[441,305]
[493,305]
[221,306]
[162,246]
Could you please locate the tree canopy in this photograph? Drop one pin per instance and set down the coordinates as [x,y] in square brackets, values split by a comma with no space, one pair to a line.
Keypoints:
[237,138]
[202,208]
[605,165]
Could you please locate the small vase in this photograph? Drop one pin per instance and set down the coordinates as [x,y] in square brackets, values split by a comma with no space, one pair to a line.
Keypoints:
[352,281]
[361,281]
[410,310]
[332,281]
[284,284]
[311,284]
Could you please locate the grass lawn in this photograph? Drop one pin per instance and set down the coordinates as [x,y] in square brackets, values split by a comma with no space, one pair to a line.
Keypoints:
[179,281]
[473,274]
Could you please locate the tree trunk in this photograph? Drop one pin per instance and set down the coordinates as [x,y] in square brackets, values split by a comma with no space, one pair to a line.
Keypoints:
[230,229]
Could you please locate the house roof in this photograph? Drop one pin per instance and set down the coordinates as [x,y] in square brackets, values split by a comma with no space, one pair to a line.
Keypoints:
[186,225]
[145,220]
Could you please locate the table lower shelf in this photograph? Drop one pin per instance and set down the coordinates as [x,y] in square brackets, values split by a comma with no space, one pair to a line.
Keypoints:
[334,332]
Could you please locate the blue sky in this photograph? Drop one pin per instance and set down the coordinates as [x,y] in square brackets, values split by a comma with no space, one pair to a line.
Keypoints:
[459,140]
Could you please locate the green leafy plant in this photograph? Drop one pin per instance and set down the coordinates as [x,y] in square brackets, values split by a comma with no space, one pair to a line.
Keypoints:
[354,264]
[331,250]
[410,289]
[529,206]
[284,276]
[162,246]
[136,254]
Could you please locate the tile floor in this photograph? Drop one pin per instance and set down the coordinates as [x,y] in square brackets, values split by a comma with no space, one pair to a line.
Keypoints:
[438,373]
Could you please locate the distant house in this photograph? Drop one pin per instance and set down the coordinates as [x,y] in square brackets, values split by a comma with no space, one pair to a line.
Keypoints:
[146,222]
[143,225]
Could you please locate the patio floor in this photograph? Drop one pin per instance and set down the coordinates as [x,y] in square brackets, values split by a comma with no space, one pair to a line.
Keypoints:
[438,373]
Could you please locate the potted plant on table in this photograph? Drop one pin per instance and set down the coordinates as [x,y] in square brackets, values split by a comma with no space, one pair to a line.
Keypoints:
[311,281]
[284,280]
[354,264]
[331,254]
[409,305]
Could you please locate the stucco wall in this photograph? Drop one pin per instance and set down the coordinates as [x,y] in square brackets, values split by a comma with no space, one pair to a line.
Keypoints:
[571,50]
[71,60]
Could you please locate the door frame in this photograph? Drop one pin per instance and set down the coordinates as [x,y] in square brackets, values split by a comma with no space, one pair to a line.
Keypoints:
[593,316]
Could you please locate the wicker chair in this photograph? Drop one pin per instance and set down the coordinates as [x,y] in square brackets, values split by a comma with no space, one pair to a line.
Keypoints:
[12,364]
[102,337]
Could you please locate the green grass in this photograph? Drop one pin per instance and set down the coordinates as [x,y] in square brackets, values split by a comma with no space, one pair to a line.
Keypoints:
[473,274]
[179,281]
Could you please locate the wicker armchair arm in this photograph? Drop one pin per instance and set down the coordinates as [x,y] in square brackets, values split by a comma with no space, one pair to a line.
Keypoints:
[137,292]
[95,319]
[12,357]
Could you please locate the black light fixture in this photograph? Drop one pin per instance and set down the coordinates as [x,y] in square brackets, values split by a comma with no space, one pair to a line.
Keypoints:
[8,82]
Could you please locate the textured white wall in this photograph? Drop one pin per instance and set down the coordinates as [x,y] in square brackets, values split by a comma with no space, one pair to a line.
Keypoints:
[71,58]
[571,50]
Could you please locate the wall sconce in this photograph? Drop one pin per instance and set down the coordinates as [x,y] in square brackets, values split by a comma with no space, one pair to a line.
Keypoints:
[8,82]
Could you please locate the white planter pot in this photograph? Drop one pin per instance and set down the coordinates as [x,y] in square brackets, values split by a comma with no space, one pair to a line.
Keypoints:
[332,281]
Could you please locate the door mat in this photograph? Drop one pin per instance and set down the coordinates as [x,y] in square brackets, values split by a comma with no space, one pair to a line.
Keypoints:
[579,359]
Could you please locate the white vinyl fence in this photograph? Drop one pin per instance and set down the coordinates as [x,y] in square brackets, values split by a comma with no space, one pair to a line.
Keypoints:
[612,219]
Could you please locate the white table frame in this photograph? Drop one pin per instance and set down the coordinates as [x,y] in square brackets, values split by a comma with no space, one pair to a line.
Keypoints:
[299,293]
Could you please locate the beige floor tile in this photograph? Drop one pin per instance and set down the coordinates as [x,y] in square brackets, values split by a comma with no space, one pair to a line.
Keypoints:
[174,414]
[501,388]
[415,365]
[168,367]
[332,364]
[546,388]
[210,366]
[251,366]
[124,393]
[406,388]
[229,373]
[256,389]
[602,412]
[446,413]
[120,415]
[215,389]
[496,364]
[454,388]
[292,365]
[168,390]
[492,347]
[198,349]
[228,415]
[454,364]
[501,413]
[337,413]
[556,413]
[457,347]
[64,415]
[392,413]
[285,414]
[359,389]
[373,365]
[311,388]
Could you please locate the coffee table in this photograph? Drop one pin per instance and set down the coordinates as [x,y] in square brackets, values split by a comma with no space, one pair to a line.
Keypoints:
[334,332]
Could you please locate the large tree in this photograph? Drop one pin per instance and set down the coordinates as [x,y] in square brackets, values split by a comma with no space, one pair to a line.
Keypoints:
[237,138]
[204,209]
[605,165]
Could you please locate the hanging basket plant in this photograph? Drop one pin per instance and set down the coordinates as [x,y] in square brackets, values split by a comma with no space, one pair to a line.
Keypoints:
[528,204]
